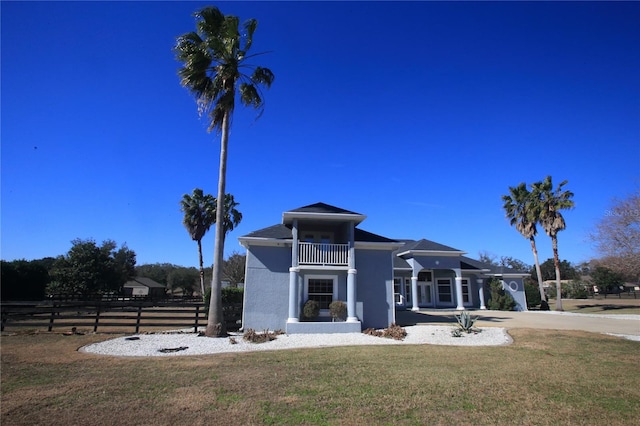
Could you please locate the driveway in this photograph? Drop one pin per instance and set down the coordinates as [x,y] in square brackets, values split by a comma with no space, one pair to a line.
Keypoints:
[613,324]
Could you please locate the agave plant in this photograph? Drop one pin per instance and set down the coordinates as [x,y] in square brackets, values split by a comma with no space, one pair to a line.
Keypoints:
[466,322]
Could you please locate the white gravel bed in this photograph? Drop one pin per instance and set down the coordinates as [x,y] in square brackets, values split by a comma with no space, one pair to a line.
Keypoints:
[151,344]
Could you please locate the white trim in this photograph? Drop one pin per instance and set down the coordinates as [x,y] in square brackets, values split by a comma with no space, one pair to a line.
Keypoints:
[257,241]
[376,246]
[287,217]
[448,253]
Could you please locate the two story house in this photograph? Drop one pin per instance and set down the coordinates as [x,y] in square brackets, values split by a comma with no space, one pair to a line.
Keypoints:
[318,252]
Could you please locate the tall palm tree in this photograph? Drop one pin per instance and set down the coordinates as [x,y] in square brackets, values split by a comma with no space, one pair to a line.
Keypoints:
[199,214]
[521,210]
[232,215]
[213,58]
[550,203]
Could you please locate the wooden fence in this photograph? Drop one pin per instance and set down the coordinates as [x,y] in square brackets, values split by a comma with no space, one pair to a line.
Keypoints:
[112,316]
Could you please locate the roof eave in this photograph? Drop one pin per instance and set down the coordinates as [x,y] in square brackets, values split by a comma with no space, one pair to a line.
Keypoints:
[288,217]
[433,253]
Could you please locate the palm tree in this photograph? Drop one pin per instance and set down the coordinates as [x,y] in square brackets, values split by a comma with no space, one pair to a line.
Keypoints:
[213,58]
[550,203]
[521,210]
[199,214]
[232,216]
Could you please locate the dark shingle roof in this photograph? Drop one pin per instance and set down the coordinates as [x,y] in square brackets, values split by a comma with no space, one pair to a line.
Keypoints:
[279,232]
[400,263]
[361,235]
[322,208]
[468,263]
[425,245]
[147,282]
[283,232]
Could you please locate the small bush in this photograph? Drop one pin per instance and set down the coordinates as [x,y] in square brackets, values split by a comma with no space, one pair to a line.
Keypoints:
[575,290]
[532,293]
[500,300]
[392,332]
[266,336]
[338,310]
[230,295]
[311,309]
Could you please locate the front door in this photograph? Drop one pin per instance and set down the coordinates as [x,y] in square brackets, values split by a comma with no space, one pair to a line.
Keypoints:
[425,294]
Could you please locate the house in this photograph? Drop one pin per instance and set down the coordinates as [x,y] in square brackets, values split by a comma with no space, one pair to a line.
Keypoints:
[144,287]
[319,252]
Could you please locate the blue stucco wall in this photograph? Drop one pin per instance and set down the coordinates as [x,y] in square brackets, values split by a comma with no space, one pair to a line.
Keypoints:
[515,287]
[375,287]
[266,290]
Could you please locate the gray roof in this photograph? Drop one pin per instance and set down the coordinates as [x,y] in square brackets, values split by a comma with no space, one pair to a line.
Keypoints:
[424,245]
[283,232]
[469,263]
[322,208]
[278,232]
[144,281]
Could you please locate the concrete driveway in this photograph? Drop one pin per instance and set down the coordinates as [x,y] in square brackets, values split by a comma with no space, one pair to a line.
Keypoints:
[614,324]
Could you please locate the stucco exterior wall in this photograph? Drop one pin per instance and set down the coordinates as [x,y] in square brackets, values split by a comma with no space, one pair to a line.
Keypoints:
[515,287]
[375,287]
[266,290]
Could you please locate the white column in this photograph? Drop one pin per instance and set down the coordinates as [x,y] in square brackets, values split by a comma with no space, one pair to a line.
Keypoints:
[293,294]
[480,282]
[293,276]
[351,296]
[351,276]
[460,306]
[414,294]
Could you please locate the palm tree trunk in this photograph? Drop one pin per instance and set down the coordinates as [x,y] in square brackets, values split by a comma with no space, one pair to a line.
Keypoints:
[201,269]
[556,263]
[215,322]
[543,297]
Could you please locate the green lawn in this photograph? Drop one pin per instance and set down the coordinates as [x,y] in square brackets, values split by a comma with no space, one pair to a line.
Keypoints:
[545,377]
[612,305]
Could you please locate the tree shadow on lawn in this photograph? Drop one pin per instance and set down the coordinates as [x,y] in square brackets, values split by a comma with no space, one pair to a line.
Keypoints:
[405,318]
[605,307]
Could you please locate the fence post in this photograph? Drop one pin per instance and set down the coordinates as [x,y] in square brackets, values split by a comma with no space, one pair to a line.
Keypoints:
[53,313]
[195,327]
[138,318]
[95,326]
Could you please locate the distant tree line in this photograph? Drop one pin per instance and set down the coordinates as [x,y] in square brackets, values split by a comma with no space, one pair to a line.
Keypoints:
[90,270]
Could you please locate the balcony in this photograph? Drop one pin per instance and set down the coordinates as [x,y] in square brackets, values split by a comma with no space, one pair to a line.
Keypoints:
[323,254]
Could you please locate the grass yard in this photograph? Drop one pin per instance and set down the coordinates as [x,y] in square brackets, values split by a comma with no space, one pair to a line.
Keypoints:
[612,305]
[545,377]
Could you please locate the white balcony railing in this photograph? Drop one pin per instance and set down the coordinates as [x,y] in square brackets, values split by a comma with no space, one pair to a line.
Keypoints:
[323,254]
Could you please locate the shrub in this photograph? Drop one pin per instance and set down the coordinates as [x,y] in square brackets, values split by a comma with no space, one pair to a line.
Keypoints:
[230,295]
[311,309]
[500,300]
[394,331]
[532,292]
[575,290]
[266,336]
[338,310]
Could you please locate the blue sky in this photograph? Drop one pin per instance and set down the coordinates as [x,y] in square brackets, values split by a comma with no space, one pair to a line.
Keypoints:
[419,115]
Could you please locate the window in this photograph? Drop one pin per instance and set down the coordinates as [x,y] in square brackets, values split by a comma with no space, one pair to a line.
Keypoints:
[322,289]
[407,289]
[466,292]
[424,276]
[444,290]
